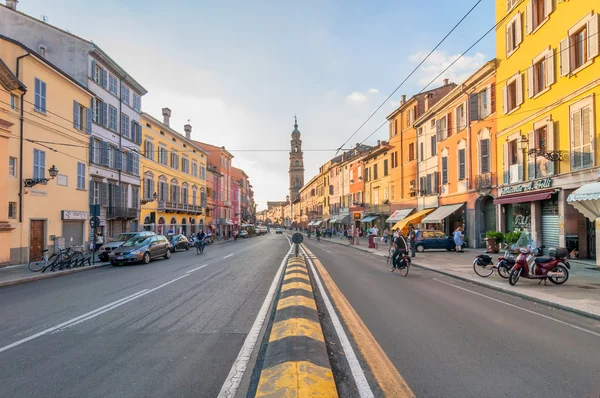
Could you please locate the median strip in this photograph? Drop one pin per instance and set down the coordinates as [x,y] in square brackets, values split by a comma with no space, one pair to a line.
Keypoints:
[296,362]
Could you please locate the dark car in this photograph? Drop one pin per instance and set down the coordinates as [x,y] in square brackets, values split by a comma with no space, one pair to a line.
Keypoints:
[141,248]
[179,242]
[433,240]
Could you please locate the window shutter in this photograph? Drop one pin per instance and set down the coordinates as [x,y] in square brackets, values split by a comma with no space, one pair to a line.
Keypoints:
[548,7]
[456,127]
[91,189]
[565,57]
[444,170]
[449,124]
[505,166]
[519,29]
[104,78]
[509,41]
[118,160]
[132,132]
[91,149]
[130,162]
[104,153]
[531,161]
[104,193]
[550,145]
[592,39]
[550,67]
[93,69]
[530,88]
[88,120]
[75,114]
[436,182]
[529,17]
[521,162]
[473,107]
[117,195]
[519,89]
[104,114]
[139,134]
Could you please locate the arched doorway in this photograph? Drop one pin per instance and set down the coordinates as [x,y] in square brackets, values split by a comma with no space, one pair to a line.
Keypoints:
[147,224]
[172,227]
[161,226]
[184,226]
[192,226]
[486,217]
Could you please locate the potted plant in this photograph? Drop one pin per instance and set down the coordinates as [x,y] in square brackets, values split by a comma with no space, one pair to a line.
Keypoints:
[512,237]
[493,240]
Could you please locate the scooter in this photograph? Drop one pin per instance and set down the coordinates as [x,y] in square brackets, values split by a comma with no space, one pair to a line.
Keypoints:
[554,267]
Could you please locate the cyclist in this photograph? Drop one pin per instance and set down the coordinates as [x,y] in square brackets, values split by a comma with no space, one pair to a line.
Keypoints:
[401,249]
[200,239]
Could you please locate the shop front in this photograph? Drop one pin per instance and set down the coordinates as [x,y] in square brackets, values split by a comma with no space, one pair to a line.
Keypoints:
[581,233]
[446,218]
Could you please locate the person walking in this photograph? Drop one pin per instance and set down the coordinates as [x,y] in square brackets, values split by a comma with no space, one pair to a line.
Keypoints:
[385,235]
[375,231]
[412,239]
[459,239]
[99,241]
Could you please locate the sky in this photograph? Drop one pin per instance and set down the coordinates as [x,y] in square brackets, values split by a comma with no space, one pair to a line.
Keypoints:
[240,70]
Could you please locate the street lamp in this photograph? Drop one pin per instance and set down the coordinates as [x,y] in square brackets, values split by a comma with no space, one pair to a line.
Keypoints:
[30,182]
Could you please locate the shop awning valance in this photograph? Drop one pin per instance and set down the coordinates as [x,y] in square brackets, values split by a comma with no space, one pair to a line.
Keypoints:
[586,200]
[526,197]
[368,219]
[311,223]
[441,213]
[343,220]
[398,215]
[413,218]
[317,223]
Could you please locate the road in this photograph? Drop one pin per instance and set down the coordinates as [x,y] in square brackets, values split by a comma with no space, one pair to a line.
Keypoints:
[449,338]
[178,337]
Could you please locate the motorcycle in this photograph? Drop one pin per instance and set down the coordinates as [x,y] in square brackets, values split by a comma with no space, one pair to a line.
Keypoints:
[483,265]
[554,267]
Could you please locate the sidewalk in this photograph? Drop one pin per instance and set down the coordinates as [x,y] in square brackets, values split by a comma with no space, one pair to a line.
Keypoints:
[580,294]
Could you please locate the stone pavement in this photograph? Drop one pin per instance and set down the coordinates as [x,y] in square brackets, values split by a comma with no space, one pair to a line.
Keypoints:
[580,294]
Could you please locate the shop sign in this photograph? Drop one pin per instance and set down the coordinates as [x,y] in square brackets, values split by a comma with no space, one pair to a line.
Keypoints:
[74,215]
[522,221]
[530,186]
[358,216]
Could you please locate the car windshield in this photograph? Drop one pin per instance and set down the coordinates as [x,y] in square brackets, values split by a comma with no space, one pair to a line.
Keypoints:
[122,237]
[137,241]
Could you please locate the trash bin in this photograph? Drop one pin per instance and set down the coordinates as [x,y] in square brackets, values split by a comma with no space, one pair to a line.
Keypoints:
[371,241]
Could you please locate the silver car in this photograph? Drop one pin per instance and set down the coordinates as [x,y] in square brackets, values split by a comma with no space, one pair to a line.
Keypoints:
[117,241]
[141,248]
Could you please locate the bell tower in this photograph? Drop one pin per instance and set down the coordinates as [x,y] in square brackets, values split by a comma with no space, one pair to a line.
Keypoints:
[296,163]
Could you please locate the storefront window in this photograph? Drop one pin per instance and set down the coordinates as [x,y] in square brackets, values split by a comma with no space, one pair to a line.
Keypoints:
[518,217]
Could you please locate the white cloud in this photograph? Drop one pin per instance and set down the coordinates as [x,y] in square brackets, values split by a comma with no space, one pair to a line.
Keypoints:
[439,60]
[373,91]
[357,97]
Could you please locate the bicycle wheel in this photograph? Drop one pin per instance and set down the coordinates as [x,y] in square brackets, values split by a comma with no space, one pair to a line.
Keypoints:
[483,271]
[404,270]
[36,264]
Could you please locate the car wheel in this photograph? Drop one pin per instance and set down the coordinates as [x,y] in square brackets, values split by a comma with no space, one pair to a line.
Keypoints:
[420,248]
[168,254]
[146,258]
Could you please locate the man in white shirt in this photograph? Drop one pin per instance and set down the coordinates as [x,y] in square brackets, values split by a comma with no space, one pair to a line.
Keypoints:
[374,231]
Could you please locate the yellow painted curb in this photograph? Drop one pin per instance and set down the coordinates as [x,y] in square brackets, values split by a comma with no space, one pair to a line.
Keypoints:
[296,327]
[295,301]
[296,379]
[299,276]
[297,285]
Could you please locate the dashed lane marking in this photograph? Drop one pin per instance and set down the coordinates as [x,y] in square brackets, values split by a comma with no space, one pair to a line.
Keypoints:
[229,255]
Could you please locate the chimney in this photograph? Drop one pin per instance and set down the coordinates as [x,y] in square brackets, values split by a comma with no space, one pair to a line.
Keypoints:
[188,131]
[446,81]
[12,4]
[378,142]
[166,115]
[403,99]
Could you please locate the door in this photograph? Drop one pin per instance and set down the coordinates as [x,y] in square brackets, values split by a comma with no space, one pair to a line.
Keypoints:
[550,223]
[154,247]
[591,239]
[73,233]
[36,238]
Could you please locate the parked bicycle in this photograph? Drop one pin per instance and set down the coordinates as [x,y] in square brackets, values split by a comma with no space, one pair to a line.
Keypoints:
[70,257]
[36,264]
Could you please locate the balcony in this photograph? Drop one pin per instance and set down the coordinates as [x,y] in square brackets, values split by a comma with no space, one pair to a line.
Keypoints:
[175,207]
[377,209]
[121,212]
[482,183]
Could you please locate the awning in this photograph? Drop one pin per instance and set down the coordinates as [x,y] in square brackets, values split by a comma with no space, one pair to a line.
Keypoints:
[317,223]
[368,219]
[326,219]
[343,220]
[413,218]
[441,213]
[312,222]
[229,222]
[334,219]
[586,200]
[526,197]
[398,215]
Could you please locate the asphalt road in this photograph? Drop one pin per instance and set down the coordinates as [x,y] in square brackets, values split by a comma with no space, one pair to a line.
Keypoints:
[178,337]
[446,341]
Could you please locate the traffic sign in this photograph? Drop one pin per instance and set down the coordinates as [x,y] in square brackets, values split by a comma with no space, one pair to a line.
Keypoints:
[94,222]
[297,238]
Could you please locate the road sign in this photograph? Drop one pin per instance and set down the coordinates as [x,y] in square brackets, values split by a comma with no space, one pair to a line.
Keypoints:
[297,238]
[94,222]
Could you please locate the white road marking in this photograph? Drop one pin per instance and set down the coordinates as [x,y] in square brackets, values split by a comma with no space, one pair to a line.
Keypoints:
[358,374]
[233,380]
[520,308]
[196,269]
[229,255]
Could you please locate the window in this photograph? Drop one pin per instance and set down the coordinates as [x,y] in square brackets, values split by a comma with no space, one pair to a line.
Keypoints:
[510,4]
[125,94]
[444,170]
[513,34]
[174,160]
[385,167]
[12,210]
[12,167]
[95,187]
[135,163]
[582,136]
[162,155]
[484,156]
[512,93]
[433,145]
[112,122]
[460,118]
[137,102]
[421,154]
[136,132]
[148,187]
[96,153]
[80,175]
[185,165]
[541,73]
[411,152]
[433,121]
[149,149]
[411,115]
[112,84]
[441,128]
[462,164]
[195,169]
[580,46]
[513,154]
[124,125]
[135,197]
[203,172]
[97,110]
[14,102]
[394,159]
[40,96]
[111,156]
[39,164]
[375,176]
[97,73]
[194,194]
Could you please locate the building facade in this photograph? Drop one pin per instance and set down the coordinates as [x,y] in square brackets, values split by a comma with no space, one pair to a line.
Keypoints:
[547,85]
[376,181]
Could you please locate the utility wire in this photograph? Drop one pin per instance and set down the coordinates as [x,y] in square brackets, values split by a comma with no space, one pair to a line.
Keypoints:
[410,74]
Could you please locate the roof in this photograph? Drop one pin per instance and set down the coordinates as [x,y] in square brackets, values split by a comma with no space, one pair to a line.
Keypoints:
[165,127]
[212,148]
[415,97]
[45,61]
[377,150]
[8,80]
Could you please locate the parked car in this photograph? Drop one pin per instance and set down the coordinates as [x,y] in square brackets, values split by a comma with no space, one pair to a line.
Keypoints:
[278,230]
[260,230]
[243,234]
[179,242]
[141,248]
[117,241]
[426,240]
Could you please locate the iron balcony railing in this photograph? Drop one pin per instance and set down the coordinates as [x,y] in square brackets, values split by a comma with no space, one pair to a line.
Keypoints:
[168,206]
[121,212]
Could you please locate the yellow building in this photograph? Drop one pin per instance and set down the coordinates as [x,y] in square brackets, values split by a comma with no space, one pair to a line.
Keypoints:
[47,189]
[377,186]
[547,83]
[174,182]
